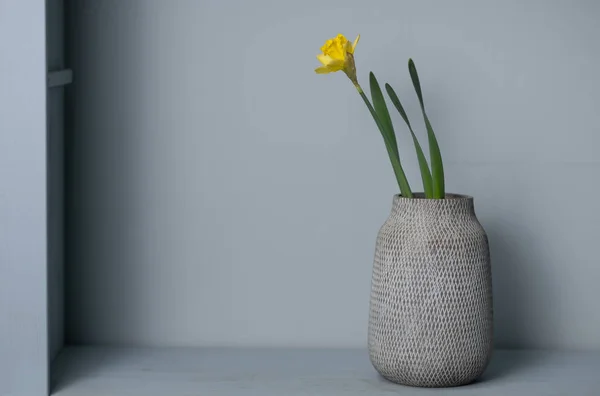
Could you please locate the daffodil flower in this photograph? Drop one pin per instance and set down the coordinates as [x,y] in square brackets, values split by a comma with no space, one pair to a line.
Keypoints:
[338,55]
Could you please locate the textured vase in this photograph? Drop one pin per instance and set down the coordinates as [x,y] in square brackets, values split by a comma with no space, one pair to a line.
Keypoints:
[430,319]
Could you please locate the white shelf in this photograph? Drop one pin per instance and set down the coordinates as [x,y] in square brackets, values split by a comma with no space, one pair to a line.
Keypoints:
[87,371]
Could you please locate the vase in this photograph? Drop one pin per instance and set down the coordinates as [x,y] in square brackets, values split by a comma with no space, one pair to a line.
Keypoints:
[430,317]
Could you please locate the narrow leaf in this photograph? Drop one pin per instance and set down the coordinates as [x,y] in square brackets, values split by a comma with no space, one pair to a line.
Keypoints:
[397,104]
[394,158]
[415,80]
[437,168]
[424,167]
[382,111]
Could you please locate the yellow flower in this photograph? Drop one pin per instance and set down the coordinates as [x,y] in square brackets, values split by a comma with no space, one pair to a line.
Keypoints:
[338,54]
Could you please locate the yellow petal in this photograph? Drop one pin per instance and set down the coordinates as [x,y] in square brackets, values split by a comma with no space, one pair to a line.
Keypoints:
[324,59]
[336,48]
[333,66]
[354,44]
[342,43]
[326,45]
[341,39]
[323,70]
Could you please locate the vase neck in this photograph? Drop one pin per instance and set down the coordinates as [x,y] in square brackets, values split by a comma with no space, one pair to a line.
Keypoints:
[452,205]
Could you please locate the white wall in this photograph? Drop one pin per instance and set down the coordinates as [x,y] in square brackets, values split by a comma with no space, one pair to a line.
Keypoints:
[23,280]
[224,194]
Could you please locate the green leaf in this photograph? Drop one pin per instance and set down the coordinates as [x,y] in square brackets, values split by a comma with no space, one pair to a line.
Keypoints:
[393,154]
[415,80]
[424,167]
[437,167]
[382,111]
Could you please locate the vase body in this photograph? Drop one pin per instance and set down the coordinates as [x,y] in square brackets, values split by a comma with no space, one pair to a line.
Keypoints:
[430,318]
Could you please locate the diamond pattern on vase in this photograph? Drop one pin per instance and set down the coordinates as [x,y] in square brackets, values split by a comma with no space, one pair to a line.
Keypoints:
[430,319]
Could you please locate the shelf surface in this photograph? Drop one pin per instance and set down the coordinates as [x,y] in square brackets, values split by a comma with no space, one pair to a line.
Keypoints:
[95,371]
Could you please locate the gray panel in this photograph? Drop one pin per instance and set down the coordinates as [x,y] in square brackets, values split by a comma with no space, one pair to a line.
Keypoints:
[23,276]
[55,219]
[224,194]
[55,32]
[55,55]
[273,372]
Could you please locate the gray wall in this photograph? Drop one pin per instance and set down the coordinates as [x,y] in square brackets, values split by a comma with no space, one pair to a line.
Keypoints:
[224,194]
[23,271]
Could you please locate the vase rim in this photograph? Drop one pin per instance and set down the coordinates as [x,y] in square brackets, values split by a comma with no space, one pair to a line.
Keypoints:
[419,196]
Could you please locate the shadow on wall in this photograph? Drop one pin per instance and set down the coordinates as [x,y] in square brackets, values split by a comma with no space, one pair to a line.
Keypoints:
[521,284]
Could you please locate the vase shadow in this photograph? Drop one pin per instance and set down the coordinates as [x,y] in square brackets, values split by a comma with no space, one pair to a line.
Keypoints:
[509,363]
[518,273]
